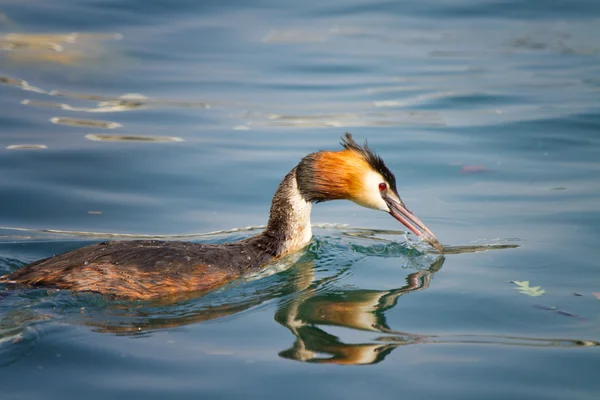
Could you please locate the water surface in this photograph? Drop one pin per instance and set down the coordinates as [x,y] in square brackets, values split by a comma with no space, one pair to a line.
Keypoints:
[125,119]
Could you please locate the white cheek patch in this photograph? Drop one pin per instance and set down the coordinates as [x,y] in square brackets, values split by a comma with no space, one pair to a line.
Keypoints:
[370,196]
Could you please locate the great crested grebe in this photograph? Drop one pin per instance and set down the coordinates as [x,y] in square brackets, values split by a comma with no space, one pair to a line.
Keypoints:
[145,269]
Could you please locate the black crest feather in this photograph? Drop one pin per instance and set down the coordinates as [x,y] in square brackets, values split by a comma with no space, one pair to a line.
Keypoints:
[370,157]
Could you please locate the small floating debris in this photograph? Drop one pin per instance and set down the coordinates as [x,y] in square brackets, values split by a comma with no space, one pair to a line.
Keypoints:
[85,123]
[596,295]
[133,138]
[94,212]
[523,287]
[26,147]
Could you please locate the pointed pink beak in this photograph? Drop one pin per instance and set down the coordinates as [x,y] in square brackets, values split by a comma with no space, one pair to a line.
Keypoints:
[403,214]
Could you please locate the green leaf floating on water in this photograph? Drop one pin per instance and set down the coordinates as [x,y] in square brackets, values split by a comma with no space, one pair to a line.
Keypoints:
[523,287]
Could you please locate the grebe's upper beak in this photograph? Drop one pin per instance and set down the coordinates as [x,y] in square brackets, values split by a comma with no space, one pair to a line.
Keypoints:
[399,211]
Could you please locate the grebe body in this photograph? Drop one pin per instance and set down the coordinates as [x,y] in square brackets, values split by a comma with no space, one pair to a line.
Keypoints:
[149,269]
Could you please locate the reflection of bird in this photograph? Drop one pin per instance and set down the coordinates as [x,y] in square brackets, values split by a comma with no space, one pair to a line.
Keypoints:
[147,269]
[308,315]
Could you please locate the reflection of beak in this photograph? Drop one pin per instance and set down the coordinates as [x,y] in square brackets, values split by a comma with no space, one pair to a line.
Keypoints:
[402,214]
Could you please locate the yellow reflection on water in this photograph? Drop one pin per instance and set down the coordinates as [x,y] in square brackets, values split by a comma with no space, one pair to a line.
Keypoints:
[85,123]
[54,48]
[26,147]
[104,104]
[20,83]
[25,41]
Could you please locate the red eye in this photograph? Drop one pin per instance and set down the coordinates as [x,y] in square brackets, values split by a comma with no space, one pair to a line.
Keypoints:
[382,187]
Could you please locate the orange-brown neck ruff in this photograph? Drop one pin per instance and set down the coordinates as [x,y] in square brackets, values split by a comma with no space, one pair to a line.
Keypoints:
[332,175]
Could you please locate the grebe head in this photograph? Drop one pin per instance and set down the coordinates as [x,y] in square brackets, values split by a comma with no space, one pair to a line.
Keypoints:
[356,173]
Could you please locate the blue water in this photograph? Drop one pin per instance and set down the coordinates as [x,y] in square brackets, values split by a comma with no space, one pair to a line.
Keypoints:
[487,111]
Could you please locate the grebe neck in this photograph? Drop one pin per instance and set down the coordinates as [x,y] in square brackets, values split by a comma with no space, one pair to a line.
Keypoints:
[289,227]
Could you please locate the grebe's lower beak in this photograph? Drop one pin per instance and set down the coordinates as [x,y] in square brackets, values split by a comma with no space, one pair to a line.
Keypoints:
[402,214]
